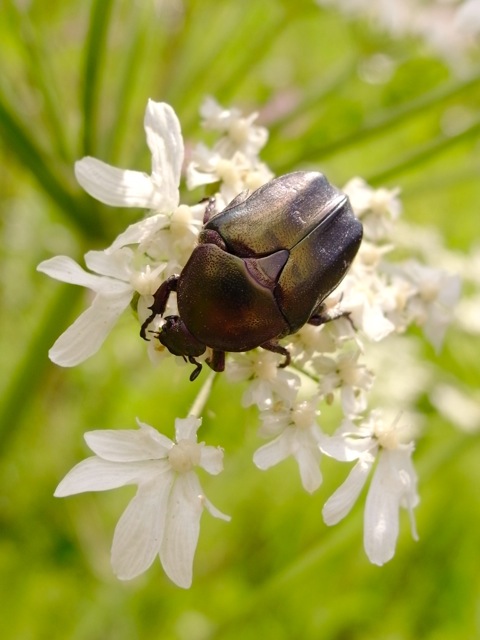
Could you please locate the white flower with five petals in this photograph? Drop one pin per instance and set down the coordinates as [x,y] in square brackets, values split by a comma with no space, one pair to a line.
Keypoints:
[125,188]
[298,435]
[158,192]
[393,485]
[114,281]
[267,382]
[164,516]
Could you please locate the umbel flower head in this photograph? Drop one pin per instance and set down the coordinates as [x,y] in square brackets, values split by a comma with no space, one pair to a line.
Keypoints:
[163,519]
[378,298]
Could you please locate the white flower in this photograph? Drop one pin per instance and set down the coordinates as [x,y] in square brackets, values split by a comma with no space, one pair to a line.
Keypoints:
[344,372]
[233,160]
[125,188]
[298,435]
[115,280]
[368,302]
[241,134]
[267,384]
[436,295]
[394,482]
[164,516]
[448,26]
[460,408]
[235,174]
[158,192]
[377,208]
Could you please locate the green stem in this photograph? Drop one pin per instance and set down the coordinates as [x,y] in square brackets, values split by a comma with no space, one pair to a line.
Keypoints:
[426,152]
[29,372]
[95,53]
[20,142]
[203,395]
[385,120]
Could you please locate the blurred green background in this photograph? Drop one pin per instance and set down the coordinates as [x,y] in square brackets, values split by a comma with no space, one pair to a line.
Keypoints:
[338,95]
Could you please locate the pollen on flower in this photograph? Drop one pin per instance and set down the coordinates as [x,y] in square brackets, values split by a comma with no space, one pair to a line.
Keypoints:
[265,368]
[304,415]
[389,433]
[184,455]
[429,290]
[227,171]
[384,202]
[182,221]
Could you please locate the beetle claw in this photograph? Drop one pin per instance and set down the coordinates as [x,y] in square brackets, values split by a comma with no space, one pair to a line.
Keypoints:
[323,316]
[198,367]
[272,345]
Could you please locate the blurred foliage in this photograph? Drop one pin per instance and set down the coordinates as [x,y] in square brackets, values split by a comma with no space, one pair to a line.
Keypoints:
[335,95]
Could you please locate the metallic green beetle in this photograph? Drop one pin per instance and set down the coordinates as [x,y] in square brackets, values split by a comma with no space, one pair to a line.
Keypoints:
[261,270]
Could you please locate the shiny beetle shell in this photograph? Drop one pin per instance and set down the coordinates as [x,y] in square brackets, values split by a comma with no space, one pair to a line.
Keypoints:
[261,269]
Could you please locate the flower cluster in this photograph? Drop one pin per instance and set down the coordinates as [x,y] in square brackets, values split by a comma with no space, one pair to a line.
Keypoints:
[378,299]
[449,27]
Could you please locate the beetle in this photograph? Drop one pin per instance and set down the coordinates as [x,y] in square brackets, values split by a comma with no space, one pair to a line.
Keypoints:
[260,271]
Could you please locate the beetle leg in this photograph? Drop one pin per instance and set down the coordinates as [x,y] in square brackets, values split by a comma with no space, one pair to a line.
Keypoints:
[160,299]
[323,315]
[210,209]
[272,345]
[217,360]
[198,367]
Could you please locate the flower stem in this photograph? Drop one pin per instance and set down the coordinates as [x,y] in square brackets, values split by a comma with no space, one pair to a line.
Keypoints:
[203,395]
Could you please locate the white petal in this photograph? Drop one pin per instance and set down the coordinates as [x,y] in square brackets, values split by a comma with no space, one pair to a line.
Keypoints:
[382,513]
[116,265]
[65,269]
[139,232]
[340,503]
[186,428]
[308,465]
[125,445]
[374,323]
[140,530]
[182,529]
[196,177]
[212,510]
[164,138]
[117,187]
[162,440]
[272,453]
[211,459]
[86,335]
[95,474]
[344,448]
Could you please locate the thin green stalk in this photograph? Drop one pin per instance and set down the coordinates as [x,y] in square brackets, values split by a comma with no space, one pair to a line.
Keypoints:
[129,76]
[29,372]
[94,63]
[331,83]
[20,143]
[41,76]
[384,120]
[261,40]
[423,154]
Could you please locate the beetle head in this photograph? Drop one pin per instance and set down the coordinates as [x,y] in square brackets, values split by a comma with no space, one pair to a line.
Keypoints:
[177,338]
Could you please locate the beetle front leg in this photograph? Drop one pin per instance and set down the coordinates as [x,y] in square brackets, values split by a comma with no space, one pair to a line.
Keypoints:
[216,361]
[160,299]
[272,345]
